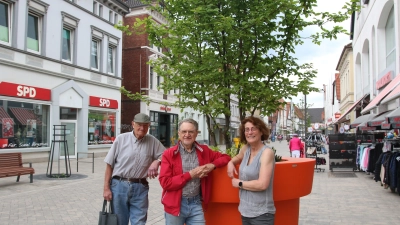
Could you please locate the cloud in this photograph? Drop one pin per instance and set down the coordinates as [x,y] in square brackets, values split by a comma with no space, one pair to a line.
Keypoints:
[325,56]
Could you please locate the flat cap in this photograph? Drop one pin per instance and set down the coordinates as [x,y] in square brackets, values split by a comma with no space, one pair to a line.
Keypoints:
[141,118]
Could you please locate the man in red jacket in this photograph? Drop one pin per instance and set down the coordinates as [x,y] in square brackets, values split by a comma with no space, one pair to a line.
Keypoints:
[185,176]
[295,146]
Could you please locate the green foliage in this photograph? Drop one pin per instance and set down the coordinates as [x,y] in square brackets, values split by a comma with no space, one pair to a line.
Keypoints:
[278,158]
[215,50]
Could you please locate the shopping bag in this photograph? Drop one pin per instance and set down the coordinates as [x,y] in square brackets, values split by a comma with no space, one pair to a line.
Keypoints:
[107,217]
[311,150]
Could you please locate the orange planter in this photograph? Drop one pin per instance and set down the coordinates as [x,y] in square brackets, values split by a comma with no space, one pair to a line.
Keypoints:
[293,179]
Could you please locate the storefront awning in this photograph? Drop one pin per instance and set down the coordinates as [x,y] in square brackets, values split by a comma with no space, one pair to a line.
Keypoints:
[376,101]
[394,94]
[350,108]
[363,126]
[3,114]
[362,119]
[23,115]
[377,121]
[394,116]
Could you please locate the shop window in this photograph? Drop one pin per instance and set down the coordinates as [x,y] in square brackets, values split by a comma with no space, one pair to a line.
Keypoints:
[23,125]
[101,127]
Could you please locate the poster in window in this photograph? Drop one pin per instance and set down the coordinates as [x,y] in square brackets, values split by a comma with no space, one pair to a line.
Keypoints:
[8,127]
[31,128]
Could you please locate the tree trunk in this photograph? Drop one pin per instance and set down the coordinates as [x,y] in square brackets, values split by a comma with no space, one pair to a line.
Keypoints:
[227,133]
[211,132]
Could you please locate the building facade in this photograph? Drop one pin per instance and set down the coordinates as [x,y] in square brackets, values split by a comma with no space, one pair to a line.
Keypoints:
[60,65]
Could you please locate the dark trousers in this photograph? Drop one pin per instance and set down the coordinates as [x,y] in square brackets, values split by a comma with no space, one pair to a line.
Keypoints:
[264,219]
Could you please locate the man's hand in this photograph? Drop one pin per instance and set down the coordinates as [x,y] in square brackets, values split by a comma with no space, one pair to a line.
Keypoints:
[107,194]
[152,172]
[202,171]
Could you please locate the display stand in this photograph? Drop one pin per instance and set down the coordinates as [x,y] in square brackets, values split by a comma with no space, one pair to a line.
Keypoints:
[342,151]
[313,149]
[59,133]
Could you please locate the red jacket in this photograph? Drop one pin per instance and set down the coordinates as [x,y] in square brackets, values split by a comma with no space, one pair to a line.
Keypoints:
[172,178]
[295,144]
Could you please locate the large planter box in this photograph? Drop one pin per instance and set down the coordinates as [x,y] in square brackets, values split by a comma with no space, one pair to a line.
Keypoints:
[293,179]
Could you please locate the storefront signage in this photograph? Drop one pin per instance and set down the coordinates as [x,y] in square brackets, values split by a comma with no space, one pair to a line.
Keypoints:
[395,125]
[337,115]
[24,91]
[385,126]
[103,102]
[165,108]
[375,123]
[367,128]
[384,80]
[394,119]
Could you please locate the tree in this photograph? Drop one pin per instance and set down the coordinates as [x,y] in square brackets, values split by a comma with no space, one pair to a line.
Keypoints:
[217,49]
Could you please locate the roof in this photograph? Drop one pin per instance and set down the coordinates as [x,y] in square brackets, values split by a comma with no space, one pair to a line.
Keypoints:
[134,3]
[315,114]
[298,113]
[346,49]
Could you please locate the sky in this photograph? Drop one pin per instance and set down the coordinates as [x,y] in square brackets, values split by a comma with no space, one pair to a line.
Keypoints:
[324,57]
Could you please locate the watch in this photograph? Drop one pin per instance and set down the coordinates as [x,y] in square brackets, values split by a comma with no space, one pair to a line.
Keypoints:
[240,184]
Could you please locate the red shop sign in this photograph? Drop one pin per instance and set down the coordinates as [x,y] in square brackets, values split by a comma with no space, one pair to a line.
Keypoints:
[103,102]
[24,91]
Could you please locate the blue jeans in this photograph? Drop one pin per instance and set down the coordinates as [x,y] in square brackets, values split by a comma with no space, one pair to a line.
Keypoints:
[323,149]
[130,201]
[191,213]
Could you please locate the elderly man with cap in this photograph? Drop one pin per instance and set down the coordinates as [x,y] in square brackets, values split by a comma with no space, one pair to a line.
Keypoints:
[133,157]
[295,146]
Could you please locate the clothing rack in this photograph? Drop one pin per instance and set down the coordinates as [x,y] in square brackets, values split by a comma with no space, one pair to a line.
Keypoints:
[314,153]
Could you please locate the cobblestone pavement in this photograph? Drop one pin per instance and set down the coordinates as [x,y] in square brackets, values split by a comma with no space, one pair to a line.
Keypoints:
[78,200]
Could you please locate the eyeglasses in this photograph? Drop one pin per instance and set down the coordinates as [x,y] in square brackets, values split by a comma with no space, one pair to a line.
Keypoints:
[247,129]
[144,125]
[191,132]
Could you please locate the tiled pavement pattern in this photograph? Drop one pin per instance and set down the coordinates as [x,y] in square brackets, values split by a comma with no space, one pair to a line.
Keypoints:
[344,201]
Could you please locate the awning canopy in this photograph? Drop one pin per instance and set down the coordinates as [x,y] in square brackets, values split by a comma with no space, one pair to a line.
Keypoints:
[394,116]
[3,114]
[394,94]
[377,121]
[351,108]
[376,101]
[363,126]
[362,119]
[23,115]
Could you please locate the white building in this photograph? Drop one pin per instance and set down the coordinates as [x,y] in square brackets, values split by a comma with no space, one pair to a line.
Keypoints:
[60,65]
[376,45]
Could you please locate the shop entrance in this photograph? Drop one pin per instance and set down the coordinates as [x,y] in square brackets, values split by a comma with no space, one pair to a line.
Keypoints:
[70,136]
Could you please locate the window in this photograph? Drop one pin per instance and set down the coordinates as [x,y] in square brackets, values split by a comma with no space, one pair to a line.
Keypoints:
[151,78]
[101,127]
[95,54]
[390,39]
[158,81]
[111,59]
[23,124]
[100,10]
[34,30]
[95,7]
[5,22]
[67,43]
[68,37]
[110,15]
[115,18]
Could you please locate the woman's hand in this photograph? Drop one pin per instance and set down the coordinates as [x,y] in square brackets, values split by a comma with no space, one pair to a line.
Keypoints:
[231,170]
